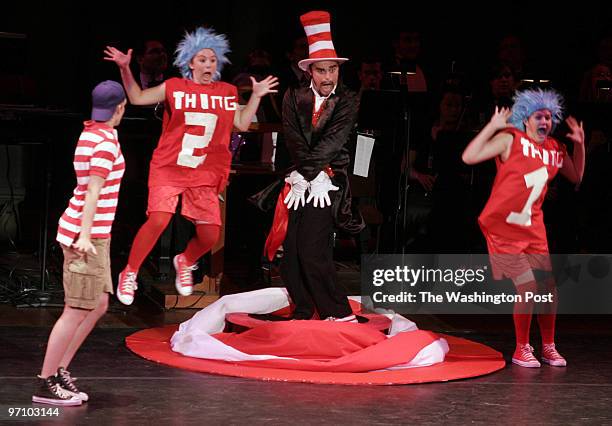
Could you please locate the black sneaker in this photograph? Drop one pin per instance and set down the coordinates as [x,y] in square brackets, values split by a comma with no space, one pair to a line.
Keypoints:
[49,391]
[67,383]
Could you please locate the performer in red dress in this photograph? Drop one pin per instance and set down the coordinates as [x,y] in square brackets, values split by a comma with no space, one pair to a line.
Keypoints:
[527,158]
[192,158]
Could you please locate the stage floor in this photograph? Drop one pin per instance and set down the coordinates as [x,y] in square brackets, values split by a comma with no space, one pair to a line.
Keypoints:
[127,389]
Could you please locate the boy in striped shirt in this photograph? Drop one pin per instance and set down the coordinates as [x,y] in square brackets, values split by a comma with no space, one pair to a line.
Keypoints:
[84,235]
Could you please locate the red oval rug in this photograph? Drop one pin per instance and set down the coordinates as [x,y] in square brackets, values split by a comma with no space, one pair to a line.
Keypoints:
[464,360]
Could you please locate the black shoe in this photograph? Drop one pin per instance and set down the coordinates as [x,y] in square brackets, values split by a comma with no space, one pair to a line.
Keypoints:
[301,316]
[67,383]
[49,391]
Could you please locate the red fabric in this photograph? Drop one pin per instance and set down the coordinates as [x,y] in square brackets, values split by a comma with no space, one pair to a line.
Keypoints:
[510,258]
[324,36]
[522,325]
[206,236]
[547,327]
[510,191]
[198,203]
[193,147]
[325,346]
[302,339]
[316,17]
[523,313]
[243,320]
[147,236]
[465,359]
[279,225]
[547,319]
[316,114]
[323,54]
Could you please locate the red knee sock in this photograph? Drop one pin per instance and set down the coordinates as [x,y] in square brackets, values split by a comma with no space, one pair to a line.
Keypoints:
[547,327]
[522,324]
[546,319]
[522,313]
[206,236]
[147,236]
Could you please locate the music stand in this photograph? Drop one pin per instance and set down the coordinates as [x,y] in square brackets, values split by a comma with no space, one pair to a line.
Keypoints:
[374,110]
[389,112]
[410,102]
[374,120]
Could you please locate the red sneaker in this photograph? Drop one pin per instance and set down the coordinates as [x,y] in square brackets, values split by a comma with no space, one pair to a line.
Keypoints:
[551,357]
[127,286]
[184,279]
[523,356]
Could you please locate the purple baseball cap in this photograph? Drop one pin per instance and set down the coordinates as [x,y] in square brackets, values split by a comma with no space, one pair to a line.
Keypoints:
[104,99]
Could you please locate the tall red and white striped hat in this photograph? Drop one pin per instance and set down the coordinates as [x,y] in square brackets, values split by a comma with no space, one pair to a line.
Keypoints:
[320,46]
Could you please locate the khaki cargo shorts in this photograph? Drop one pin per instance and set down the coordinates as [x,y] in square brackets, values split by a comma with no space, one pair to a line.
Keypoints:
[87,278]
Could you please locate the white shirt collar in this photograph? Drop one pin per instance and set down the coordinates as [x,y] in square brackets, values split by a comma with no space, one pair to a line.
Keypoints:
[318,98]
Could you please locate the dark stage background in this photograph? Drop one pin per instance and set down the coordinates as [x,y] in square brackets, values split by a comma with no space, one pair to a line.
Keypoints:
[65,40]
[59,59]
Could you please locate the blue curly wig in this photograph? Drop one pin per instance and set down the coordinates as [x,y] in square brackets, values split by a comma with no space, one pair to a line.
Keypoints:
[192,43]
[529,101]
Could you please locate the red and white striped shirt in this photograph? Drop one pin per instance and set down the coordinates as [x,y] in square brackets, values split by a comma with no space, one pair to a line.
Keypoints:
[97,154]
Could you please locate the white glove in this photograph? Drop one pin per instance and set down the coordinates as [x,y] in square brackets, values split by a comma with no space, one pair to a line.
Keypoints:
[299,185]
[319,188]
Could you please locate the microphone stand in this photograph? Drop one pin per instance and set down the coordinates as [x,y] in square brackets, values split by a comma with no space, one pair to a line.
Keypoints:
[404,180]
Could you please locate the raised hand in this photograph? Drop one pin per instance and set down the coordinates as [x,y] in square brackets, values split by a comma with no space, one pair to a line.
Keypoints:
[115,55]
[265,86]
[576,133]
[500,117]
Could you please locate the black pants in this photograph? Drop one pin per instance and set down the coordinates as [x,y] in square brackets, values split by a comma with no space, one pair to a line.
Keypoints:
[308,269]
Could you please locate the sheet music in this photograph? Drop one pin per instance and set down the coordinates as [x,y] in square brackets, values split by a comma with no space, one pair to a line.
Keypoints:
[363,154]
